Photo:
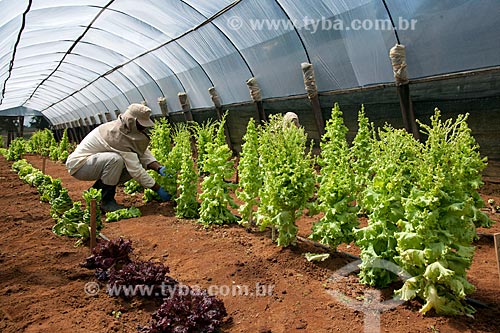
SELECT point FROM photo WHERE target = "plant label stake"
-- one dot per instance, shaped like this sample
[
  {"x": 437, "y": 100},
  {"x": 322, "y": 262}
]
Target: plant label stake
[
  {"x": 497, "y": 250},
  {"x": 93, "y": 225}
]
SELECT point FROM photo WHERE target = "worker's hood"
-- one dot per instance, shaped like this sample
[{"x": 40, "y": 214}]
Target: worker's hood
[{"x": 122, "y": 134}]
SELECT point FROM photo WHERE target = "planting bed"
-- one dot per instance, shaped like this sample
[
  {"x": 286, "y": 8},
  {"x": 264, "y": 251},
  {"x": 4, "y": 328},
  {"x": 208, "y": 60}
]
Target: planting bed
[{"x": 42, "y": 284}]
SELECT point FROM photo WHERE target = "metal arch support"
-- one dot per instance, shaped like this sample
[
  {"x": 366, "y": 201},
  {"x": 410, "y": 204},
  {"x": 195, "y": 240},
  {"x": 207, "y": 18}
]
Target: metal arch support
[
  {"x": 172, "y": 40},
  {"x": 70, "y": 49},
  {"x": 43, "y": 99},
  {"x": 226, "y": 36},
  {"x": 74, "y": 96},
  {"x": 113, "y": 70},
  {"x": 110, "y": 99},
  {"x": 11, "y": 64},
  {"x": 99, "y": 75},
  {"x": 392, "y": 21},
  {"x": 297, "y": 31},
  {"x": 102, "y": 75},
  {"x": 145, "y": 71}
]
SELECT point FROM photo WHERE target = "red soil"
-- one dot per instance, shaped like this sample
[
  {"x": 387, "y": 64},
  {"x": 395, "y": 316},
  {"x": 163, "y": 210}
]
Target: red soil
[{"x": 42, "y": 285}]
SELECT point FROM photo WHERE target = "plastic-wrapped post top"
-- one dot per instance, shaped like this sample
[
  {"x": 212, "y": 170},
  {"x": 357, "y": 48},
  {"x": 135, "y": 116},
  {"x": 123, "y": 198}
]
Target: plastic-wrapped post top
[
  {"x": 310, "y": 80},
  {"x": 399, "y": 66}
]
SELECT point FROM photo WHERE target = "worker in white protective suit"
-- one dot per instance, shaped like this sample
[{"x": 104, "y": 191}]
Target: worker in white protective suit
[
  {"x": 115, "y": 152},
  {"x": 290, "y": 118}
]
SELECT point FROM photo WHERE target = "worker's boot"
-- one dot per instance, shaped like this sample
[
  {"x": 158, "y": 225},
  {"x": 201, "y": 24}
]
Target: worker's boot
[{"x": 108, "y": 202}]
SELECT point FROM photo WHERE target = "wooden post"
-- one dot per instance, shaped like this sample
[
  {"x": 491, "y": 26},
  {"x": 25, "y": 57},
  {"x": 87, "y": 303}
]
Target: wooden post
[
  {"x": 83, "y": 128},
  {"x": 71, "y": 134},
  {"x": 88, "y": 125},
  {"x": 9, "y": 137},
  {"x": 497, "y": 250},
  {"x": 93, "y": 121},
  {"x": 93, "y": 224},
  {"x": 57, "y": 132},
  {"x": 108, "y": 117},
  {"x": 186, "y": 106},
  {"x": 77, "y": 129},
  {"x": 44, "y": 163},
  {"x": 220, "y": 114},
  {"x": 162, "y": 102},
  {"x": 400, "y": 68},
  {"x": 256, "y": 95},
  {"x": 21, "y": 126},
  {"x": 312, "y": 94}
]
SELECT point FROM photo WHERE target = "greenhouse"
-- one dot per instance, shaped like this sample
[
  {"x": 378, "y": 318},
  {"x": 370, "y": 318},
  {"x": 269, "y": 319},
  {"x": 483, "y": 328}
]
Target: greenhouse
[{"x": 249, "y": 166}]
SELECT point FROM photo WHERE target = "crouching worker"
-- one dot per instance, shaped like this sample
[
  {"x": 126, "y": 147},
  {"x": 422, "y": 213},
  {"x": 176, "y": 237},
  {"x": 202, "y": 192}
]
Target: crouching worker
[{"x": 116, "y": 152}]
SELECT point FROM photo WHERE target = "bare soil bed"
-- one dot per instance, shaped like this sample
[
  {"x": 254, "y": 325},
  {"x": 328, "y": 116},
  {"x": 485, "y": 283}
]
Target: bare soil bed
[{"x": 42, "y": 284}]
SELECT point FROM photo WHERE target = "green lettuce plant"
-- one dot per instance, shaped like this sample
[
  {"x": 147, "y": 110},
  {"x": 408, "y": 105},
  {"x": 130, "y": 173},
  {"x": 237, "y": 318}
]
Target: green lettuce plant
[
  {"x": 250, "y": 178},
  {"x": 187, "y": 181},
  {"x": 288, "y": 178},
  {"x": 337, "y": 181},
  {"x": 441, "y": 212},
  {"x": 215, "y": 197}
]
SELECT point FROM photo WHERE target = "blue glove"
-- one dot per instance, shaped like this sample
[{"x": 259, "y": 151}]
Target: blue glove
[
  {"x": 164, "y": 195},
  {"x": 161, "y": 171}
]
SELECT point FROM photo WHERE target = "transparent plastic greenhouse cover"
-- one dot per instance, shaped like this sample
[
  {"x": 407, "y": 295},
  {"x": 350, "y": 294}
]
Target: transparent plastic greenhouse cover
[{"x": 76, "y": 59}]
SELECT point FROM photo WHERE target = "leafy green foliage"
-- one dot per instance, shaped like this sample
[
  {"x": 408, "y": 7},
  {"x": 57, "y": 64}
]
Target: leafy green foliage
[
  {"x": 46, "y": 186},
  {"x": 162, "y": 138},
  {"x": 395, "y": 155},
  {"x": 205, "y": 135},
  {"x": 250, "y": 179},
  {"x": 16, "y": 149},
  {"x": 88, "y": 196},
  {"x": 22, "y": 167},
  {"x": 215, "y": 197},
  {"x": 161, "y": 148},
  {"x": 182, "y": 143},
  {"x": 440, "y": 216},
  {"x": 54, "y": 153},
  {"x": 64, "y": 147},
  {"x": 121, "y": 214},
  {"x": 187, "y": 181},
  {"x": 60, "y": 204},
  {"x": 361, "y": 157},
  {"x": 72, "y": 220},
  {"x": 75, "y": 222},
  {"x": 71, "y": 223},
  {"x": 288, "y": 178},
  {"x": 336, "y": 186},
  {"x": 165, "y": 182},
  {"x": 132, "y": 186},
  {"x": 41, "y": 142},
  {"x": 150, "y": 195},
  {"x": 161, "y": 141}
]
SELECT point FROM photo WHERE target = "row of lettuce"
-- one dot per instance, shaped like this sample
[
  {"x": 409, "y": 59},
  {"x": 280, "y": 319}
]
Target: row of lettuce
[
  {"x": 420, "y": 197},
  {"x": 72, "y": 218},
  {"x": 183, "y": 308},
  {"x": 42, "y": 143}
]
